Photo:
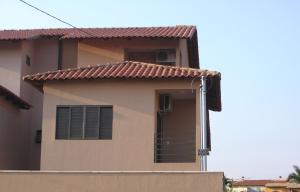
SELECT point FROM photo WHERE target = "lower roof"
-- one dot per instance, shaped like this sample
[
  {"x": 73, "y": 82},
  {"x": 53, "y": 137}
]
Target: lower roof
[
  {"x": 262, "y": 183},
  {"x": 13, "y": 98},
  {"x": 134, "y": 70}
]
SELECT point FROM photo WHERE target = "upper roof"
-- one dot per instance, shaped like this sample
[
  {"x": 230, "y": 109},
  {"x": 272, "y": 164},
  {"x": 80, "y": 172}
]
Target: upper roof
[
  {"x": 188, "y": 32},
  {"x": 13, "y": 98},
  {"x": 255, "y": 182},
  {"x": 134, "y": 70},
  {"x": 179, "y": 31}
]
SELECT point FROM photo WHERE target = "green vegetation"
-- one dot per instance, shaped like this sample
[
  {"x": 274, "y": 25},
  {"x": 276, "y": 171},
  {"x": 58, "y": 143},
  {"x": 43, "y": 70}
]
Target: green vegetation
[
  {"x": 228, "y": 184},
  {"x": 295, "y": 176}
]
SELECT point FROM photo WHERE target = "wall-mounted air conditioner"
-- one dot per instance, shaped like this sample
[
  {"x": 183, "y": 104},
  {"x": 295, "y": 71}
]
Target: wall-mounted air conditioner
[{"x": 165, "y": 103}]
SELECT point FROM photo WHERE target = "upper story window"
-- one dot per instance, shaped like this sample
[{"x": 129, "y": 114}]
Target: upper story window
[
  {"x": 159, "y": 56},
  {"x": 84, "y": 122},
  {"x": 28, "y": 61}
]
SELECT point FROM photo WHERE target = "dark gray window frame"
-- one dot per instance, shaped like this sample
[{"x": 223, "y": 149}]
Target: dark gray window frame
[
  {"x": 84, "y": 122},
  {"x": 128, "y": 51}
]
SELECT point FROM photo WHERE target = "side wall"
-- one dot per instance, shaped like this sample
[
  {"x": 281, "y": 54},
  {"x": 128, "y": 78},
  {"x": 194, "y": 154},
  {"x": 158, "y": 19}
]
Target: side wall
[
  {"x": 69, "y": 54},
  {"x": 93, "y": 52},
  {"x": 13, "y": 140},
  {"x": 111, "y": 181},
  {"x": 43, "y": 55},
  {"x": 10, "y": 65},
  {"x": 14, "y": 149},
  {"x": 134, "y": 124},
  {"x": 179, "y": 129},
  {"x": 183, "y": 52}
]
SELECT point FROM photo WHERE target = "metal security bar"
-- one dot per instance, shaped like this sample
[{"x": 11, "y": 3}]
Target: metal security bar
[{"x": 174, "y": 149}]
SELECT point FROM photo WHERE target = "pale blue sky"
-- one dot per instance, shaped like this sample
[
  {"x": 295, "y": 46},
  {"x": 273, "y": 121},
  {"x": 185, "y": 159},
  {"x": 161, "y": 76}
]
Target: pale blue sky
[{"x": 255, "y": 44}]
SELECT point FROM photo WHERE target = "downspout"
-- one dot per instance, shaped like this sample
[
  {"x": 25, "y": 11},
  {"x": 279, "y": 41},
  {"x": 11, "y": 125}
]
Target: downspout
[
  {"x": 203, "y": 152},
  {"x": 59, "y": 59}
]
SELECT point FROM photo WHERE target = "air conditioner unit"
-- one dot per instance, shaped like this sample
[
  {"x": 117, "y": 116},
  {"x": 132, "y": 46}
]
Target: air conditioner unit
[
  {"x": 166, "y": 56},
  {"x": 165, "y": 103}
]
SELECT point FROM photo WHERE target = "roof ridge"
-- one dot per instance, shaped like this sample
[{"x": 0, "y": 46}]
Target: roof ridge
[
  {"x": 168, "y": 66},
  {"x": 37, "y": 29},
  {"x": 124, "y": 63},
  {"x": 121, "y": 27},
  {"x": 72, "y": 69},
  {"x": 176, "y": 32},
  {"x": 120, "y": 63}
]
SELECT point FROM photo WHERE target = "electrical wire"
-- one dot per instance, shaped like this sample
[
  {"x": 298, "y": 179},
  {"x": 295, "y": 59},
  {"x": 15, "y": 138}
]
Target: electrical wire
[{"x": 54, "y": 17}]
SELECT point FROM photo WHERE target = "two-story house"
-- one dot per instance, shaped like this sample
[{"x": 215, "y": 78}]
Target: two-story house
[{"x": 105, "y": 99}]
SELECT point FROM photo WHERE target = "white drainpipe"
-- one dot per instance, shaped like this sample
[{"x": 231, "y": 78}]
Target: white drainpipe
[{"x": 203, "y": 152}]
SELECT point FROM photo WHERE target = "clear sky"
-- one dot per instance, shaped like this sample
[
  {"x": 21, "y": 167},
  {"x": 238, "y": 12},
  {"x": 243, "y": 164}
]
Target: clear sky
[{"x": 255, "y": 44}]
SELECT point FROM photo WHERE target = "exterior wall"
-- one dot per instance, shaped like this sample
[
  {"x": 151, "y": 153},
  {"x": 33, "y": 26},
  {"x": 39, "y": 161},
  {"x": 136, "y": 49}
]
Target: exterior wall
[
  {"x": 183, "y": 53},
  {"x": 14, "y": 134},
  {"x": 133, "y": 102},
  {"x": 10, "y": 65},
  {"x": 239, "y": 189},
  {"x": 46, "y": 59},
  {"x": 111, "y": 181},
  {"x": 69, "y": 54},
  {"x": 13, "y": 150},
  {"x": 43, "y": 55},
  {"x": 179, "y": 128},
  {"x": 249, "y": 188},
  {"x": 93, "y": 52},
  {"x": 277, "y": 189}
]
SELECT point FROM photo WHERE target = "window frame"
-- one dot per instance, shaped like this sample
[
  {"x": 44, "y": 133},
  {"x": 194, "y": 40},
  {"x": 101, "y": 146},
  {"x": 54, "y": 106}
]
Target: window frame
[
  {"x": 128, "y": 51},
  {"x": 83, "y": 122}
]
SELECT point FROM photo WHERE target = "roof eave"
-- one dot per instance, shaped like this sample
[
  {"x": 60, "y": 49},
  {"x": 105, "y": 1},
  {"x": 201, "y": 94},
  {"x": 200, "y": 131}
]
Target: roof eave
[{"x": 10, "y": 96}]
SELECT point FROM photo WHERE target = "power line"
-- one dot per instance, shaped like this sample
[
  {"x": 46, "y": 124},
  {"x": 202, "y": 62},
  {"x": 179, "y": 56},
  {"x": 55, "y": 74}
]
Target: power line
[{"x": 54, "y": 17}]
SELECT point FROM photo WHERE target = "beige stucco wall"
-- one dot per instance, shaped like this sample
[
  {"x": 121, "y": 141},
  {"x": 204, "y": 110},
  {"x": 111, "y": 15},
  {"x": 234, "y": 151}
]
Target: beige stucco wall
[
  {"x": 69, "y": 54},
  {"x": 179, "y": 128},
  {"x": 134, "y": 124},
  {"x": 111, "y": 181},
  {"x": 92, "y": 52},
  {"x": 43, "y": 54},
  {"x": 10, "y": 65},
  {"x": 248, "y": 188},
  {"x": 183, "y": 52},
  {"x": 44, "y": 57},
  {"x": 14, "y": 122},
  {"x": 279, "y": 189},
  {"x": 13, "y": 148}
]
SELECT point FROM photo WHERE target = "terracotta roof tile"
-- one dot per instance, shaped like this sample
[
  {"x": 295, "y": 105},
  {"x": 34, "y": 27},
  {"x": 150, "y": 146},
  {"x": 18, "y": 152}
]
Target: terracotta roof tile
[
  {"x": 126, "y": 69},
  {"x": 255, "y": 182},
  {"x": 134, "y": 70},
  {"x": 180, "y": 31}
]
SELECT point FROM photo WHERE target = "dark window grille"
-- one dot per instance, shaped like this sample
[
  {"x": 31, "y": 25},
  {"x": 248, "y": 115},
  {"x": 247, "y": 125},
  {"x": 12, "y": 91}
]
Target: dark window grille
[{"x": 84, "y": 122}]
